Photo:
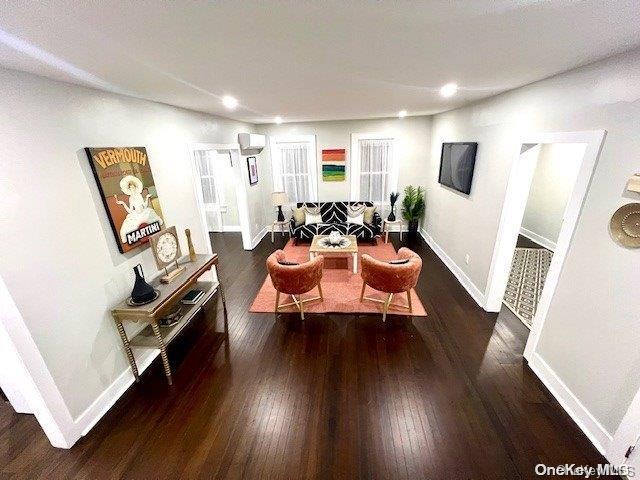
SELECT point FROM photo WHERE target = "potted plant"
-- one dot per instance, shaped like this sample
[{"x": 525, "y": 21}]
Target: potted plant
[
  {"x": 393, "y": 198},
  {"x": 413, "y": 207}
]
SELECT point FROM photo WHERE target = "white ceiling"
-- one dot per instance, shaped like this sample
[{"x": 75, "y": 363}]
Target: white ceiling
[{"x": 311, "y": 60}]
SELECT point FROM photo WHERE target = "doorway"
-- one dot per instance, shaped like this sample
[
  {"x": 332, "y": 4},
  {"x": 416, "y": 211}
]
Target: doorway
[
  {"x": 220, "y": 189},
  {"x": 555, "y": 170},
  {"x": 513, "y": 213}
]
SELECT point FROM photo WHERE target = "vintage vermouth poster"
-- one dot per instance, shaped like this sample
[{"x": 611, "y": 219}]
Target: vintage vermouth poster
[{"x": 128, "y": 192}]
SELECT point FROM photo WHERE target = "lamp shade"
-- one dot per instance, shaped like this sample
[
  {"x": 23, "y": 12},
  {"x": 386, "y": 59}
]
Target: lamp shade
[{"x": 279, "y": 198}]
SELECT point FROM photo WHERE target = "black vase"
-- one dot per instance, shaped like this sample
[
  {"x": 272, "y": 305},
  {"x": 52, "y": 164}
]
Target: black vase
[
  {"x": 142, "y": 292},
  {"x": 413, "y": 227},
  {"x": 392, "y": 214}
]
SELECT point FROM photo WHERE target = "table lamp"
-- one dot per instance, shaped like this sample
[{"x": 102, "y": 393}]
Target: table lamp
[{"x": 279, "y": 199}]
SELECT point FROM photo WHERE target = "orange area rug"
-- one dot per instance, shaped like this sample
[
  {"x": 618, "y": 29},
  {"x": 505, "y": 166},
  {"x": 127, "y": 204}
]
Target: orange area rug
[{"x": 341, "y": 287}]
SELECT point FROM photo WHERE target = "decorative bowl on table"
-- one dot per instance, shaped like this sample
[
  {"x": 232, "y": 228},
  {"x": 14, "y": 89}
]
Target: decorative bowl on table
[
  {"x": 335, "y": 238},
  {"x": 334, "y": 241}
]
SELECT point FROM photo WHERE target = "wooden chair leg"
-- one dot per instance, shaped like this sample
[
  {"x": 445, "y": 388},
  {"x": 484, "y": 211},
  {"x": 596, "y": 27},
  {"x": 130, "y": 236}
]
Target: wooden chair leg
[
  {"x": 301, "y": 308},
  {"x": 364, "y": 285},
  {"x": 386, "y": 307},
  {"x": 277, "y": 300},
  {"x": 409, "y": 300},
  {"x": 320, "y": 292}
]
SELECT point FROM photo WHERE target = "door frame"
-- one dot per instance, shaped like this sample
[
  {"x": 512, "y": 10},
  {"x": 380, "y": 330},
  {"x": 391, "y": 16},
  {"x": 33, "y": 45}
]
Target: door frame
[
  {"x": 36, "y": 383},
  {"x": 627, "y": 434},
  {"x": 511, "y": 220},
  {"x": 241, "y": 191}
]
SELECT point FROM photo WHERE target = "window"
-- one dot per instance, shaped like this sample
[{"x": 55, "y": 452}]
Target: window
[
  {"x": 293, "y": 160},
  {"x": 373, "y": 170}
]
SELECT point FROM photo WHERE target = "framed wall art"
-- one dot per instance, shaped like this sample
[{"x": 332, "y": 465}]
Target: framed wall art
[
  {"x": 333, "y": 165},
  {"x": 252, "y": 165},
  {"x": 128, "y": 192}
]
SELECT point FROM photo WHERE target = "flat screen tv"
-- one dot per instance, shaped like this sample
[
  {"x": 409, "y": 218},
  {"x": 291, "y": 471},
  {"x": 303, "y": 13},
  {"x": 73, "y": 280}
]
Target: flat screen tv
[{"x": 456, "y": 165}]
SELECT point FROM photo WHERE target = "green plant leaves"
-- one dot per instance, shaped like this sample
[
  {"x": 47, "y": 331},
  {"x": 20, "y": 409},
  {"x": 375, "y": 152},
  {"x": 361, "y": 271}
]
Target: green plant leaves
[{"x": 413, "y": 203}]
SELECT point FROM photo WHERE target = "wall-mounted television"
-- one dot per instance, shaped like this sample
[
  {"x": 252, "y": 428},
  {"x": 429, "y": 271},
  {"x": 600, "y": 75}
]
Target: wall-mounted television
[{"x": 457, "y": 161}]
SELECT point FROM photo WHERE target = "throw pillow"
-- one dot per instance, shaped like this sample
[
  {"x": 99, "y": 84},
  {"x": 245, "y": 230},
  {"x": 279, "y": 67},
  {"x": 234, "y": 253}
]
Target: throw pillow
[
  {"x": 368, "y": 214},
  {"x": 399, "y": 261},
  {"x": 356, "y": 209},
  {"x": 311, "y": 219},
  {"x": 358, "y": 219},
  {"x": 287, "y": 262},
  {"x": 298, "y": 216}
]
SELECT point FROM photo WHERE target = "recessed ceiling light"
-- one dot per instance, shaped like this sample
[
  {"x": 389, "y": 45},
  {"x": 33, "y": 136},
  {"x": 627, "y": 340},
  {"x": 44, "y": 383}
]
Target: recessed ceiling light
[
  {"x": 402, "y": 113},
  {"x": 278, "y": 119},
  {"x": 229, "y": 102},
  {"x": 449, "y": 89}
]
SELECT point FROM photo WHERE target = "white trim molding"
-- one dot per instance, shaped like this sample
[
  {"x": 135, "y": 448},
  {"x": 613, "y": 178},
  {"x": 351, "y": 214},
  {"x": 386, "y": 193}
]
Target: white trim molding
[
  {"x": 258, "y": 238},
  {"x": 88, "y": 419},
  {"x": 39, "y": 388},
  {"x": 596, "y": 433},
  {"x": 462, "y": 277},
  {"x": 539, "y": 239}
]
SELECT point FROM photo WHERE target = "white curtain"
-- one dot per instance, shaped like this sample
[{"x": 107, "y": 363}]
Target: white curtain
[
  {"x": 206, "y": 169},
  {"x": 376, "y": 158},
  {"x": 295, "y": 171}
]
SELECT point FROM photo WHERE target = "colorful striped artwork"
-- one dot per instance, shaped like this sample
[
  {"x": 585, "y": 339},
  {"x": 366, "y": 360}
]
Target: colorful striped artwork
[{"x": 333, "y": 165}]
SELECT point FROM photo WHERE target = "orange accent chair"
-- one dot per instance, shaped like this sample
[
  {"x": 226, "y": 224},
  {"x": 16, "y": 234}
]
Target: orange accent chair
[
  {"x": 391, "y": 278},
  {"x": 295, "y": 280}
]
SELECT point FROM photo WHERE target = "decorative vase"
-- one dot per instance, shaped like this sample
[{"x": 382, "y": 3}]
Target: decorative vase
[
  {"x": 334, "y": 238},
  {"x": 392, "y": 215},
  {"x": 413, "y": 227},
  {"x": 192, "y": 252},
  {"x": 142, "y": 292}
]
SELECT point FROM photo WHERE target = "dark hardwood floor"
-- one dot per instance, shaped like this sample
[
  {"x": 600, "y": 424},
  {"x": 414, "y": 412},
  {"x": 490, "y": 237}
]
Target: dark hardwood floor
[{"x": 447, "y": 396}]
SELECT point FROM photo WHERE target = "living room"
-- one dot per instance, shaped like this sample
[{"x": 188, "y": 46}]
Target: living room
[{"x": 451, "y": 385}]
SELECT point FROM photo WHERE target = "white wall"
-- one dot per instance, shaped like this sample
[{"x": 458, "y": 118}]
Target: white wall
[
  {"x": 592, "y": 325},
  {"x": 553, "y": 180},
  {"x": 261, "y": 213},
  {"x": 63, "y": 269},
  {"x": 413, "y": 146}
]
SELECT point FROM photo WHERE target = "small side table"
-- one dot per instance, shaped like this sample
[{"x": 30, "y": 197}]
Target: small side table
[
  {"x": 385, "y": 228},
  {"x": 281, "y": 225}
]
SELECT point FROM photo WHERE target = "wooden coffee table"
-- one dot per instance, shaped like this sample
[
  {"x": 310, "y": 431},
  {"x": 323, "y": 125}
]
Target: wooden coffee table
[{"x": 351, "y": 249}]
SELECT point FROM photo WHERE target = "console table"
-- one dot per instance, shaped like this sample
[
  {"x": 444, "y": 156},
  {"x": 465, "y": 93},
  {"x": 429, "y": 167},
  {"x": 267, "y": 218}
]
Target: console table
[{"x": 154, "y": 336}]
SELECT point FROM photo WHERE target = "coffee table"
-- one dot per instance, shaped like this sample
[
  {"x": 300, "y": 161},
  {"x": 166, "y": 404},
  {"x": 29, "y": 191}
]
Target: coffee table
[{"x": 352, "y": 249}]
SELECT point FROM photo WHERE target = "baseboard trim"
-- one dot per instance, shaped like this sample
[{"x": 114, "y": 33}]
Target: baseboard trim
[
  {"x": 92, "y": 415},
  {"x": 595, "y": 432},
  {"x": 462, "y": 277},
  {"x": 231, "y": 228},
  {"x": 539, "y": 239},
  {"x": 258, "y": 238}
]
